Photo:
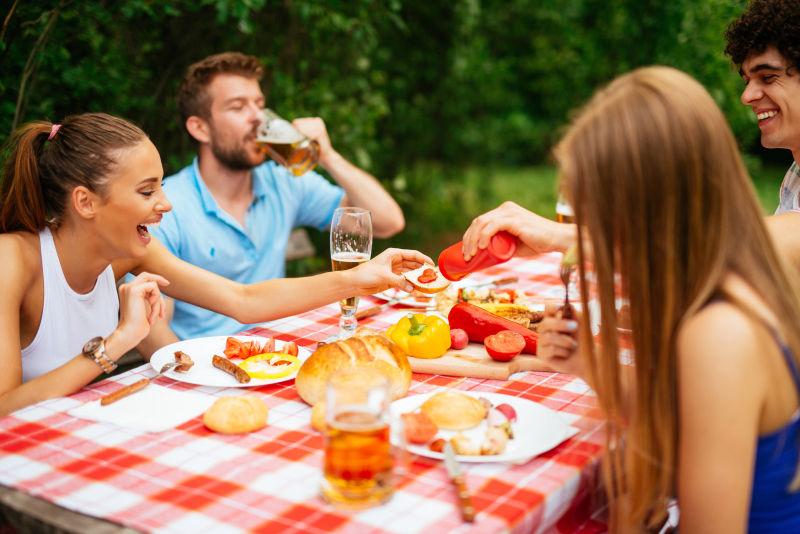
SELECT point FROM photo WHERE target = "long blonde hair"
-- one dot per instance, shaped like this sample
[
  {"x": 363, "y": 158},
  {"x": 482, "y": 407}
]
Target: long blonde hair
[{"x": 663, "y": 199}]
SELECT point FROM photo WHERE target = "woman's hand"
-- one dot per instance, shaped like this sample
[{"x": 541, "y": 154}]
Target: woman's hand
[
  {"x": 536, "y": 233},
  {"x": 558, "y": 345},
  {"x": 384, "y": 271},
  {"x": 140, "y": 306}
]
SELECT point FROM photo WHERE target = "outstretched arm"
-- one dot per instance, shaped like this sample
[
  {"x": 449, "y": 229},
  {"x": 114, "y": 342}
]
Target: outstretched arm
[
  {"x": 281, "y": 297},
  {"x": 361, "y": 188}
]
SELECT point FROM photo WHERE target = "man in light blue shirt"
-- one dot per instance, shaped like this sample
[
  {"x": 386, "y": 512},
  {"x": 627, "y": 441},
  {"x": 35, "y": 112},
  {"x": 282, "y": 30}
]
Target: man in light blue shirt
[{"x": 232, "y": 212}]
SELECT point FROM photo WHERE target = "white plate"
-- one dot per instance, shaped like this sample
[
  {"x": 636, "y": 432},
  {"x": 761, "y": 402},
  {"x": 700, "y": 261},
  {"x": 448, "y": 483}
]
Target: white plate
[
  {"x": 203, "y": 373},
  {"x": 536, "y": 430},
  {"x": 403, "y": 298}
]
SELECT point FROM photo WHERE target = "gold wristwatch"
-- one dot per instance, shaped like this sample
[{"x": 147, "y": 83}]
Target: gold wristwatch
[{"x": 95, "y": 350}]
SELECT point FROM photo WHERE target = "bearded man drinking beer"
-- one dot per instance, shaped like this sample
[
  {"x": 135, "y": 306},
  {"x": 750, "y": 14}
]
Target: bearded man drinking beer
[{"x": 232, "y": 209}]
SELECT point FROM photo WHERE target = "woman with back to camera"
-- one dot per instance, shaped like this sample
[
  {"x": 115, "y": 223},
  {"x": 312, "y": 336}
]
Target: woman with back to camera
[
  {"x": 708, "y": 413},
  {"x": 75, "y": 202}
]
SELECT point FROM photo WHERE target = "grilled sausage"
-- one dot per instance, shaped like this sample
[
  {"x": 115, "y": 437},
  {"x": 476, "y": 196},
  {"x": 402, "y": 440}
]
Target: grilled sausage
[
  {"x": 224, "y": 364},
  {"x": 184, "y": 361},
  {"x": 124, "y": 392}
]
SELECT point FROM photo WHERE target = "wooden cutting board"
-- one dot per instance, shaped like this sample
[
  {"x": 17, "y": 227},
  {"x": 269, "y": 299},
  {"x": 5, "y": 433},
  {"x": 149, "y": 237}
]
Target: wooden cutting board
[{"x": 473, "y": 361}]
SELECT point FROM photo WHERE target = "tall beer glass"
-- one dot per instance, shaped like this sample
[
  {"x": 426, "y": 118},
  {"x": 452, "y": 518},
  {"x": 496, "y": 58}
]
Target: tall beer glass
[
  {"x": 358, "y": 457},
  {"x": 351, "y": 245},
  {"x": 285, "y": 144}
]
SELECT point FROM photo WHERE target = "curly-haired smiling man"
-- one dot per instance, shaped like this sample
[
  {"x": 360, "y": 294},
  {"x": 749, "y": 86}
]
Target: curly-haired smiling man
[{"x": 765, "y": 43}]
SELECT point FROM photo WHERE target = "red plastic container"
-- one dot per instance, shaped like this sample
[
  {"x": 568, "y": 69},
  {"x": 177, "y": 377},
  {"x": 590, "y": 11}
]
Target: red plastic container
[{"x": 501, "y": 248}]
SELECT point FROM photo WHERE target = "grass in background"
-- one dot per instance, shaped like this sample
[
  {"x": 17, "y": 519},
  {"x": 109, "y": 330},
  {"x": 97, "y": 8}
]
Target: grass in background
[
  {"x": 767, "y": 181},
  {"x": 441, "y": 203}
]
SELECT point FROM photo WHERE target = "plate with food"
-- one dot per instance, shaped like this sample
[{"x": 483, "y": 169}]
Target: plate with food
[
  {"x": 415, "y": 299},
  {"x": 506, "y": 302},
  {"x": 481, "y": 426},
  {"x": 231, "y": 361}
]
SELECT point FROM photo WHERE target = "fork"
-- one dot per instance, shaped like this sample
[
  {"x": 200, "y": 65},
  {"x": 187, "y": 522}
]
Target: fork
[
  {"x": 166, "y": 367},
  {"x": 566, "y": 274}
]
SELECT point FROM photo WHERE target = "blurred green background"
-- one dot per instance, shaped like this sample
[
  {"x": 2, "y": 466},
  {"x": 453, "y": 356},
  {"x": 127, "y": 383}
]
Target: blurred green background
[{"x": 454, "y": 105}]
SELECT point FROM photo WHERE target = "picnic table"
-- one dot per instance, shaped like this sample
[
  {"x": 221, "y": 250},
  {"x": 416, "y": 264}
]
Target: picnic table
[{"x": 77, "y": 475}]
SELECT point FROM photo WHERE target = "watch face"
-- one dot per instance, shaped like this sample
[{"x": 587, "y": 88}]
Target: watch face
[{"x": 92, "y": 345}]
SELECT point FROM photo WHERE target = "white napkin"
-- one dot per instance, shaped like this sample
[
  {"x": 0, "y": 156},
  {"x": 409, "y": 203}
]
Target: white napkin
[{"x": 153, "y": 409}]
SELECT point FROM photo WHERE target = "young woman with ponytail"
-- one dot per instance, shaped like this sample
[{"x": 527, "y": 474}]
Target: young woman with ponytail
[{"x": 76, "y": 199}]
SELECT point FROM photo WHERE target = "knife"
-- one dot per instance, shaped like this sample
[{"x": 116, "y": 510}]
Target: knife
[
  {"x": 454, "y": 470},
  {"x": 375, "y": 310}
]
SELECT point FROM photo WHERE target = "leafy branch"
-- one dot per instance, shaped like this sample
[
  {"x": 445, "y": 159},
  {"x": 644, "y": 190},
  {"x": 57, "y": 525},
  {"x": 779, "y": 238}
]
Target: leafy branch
[{"x": 31, "y": 63}]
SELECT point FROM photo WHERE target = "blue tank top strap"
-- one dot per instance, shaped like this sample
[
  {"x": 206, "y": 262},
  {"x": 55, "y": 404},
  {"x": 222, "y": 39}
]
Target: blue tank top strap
[{"x": 788, "y": 355}]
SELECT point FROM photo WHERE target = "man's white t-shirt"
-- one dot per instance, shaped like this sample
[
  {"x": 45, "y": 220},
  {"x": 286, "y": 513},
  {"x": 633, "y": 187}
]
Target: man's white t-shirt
[{"x": 790, "y": 191}]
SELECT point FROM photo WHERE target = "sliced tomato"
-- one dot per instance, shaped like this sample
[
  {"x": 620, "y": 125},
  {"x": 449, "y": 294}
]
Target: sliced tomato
[
  {"x": 437, "y": 445},
  {"x": 289, "y": 347},
  {"x": 504, "y": 345},
  {"x": 233, "y": 348},
  {"x": 428, "y": 275},
  {"x": 236, "y": 348},
  {"x": 418, "y": 427}
]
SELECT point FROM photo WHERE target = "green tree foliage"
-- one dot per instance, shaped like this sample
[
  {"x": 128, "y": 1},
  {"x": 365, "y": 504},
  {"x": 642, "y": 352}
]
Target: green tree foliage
[
  {"x": 463, "y": 81},
  {"x": 400, "y": 83}
]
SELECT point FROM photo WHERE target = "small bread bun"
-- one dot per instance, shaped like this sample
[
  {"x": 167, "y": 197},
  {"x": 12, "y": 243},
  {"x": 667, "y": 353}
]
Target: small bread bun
[
  {"x": 452, "y": 410},
  {"x": 236, "y": 415},
  {"x": 434, "y": 286}
]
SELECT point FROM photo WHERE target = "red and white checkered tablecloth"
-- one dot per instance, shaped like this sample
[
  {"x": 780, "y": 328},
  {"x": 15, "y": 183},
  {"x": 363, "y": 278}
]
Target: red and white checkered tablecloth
[{"x": 192, "y": 480}]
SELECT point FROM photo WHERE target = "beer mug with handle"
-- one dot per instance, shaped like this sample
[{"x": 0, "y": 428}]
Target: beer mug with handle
[{"x": 285, "y": 144}]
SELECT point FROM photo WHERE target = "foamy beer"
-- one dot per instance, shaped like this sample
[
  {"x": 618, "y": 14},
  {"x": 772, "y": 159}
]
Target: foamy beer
[
  {"x": 286, "y": 145},
  {"x": 358, "y": 456},
  {"x": 564, "y": 213}
]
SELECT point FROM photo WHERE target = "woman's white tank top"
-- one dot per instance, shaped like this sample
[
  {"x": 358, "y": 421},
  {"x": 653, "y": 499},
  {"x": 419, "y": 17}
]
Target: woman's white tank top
[{"x": 69, "y": 319}]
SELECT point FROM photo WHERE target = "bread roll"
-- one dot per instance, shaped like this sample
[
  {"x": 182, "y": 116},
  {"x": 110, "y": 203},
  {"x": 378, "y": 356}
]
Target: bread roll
[
  {"x": 236, "y": 415},
  {"x": 452, "y": 410},
  {"x": 366, "y": 349}
]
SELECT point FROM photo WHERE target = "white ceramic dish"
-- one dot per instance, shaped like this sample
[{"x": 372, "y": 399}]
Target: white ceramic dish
[
  {"x": 203, "y": 373},
  {"x": 536, "y": 430},
  {"x": 405, "y": 299}
]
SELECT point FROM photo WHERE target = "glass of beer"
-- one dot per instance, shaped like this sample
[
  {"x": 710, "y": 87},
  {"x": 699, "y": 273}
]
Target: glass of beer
[
  {"x": 564, "y": 213},
  {"x": 351, "y": 245},
  {"x": 285, "y": 144},
  {"x": 358, "y": 456}
]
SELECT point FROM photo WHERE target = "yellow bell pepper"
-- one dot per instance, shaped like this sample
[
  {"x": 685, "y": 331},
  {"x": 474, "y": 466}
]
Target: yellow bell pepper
[
  {"x": 270, "y": 365},
  {"x": 422, "y": 336}
]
